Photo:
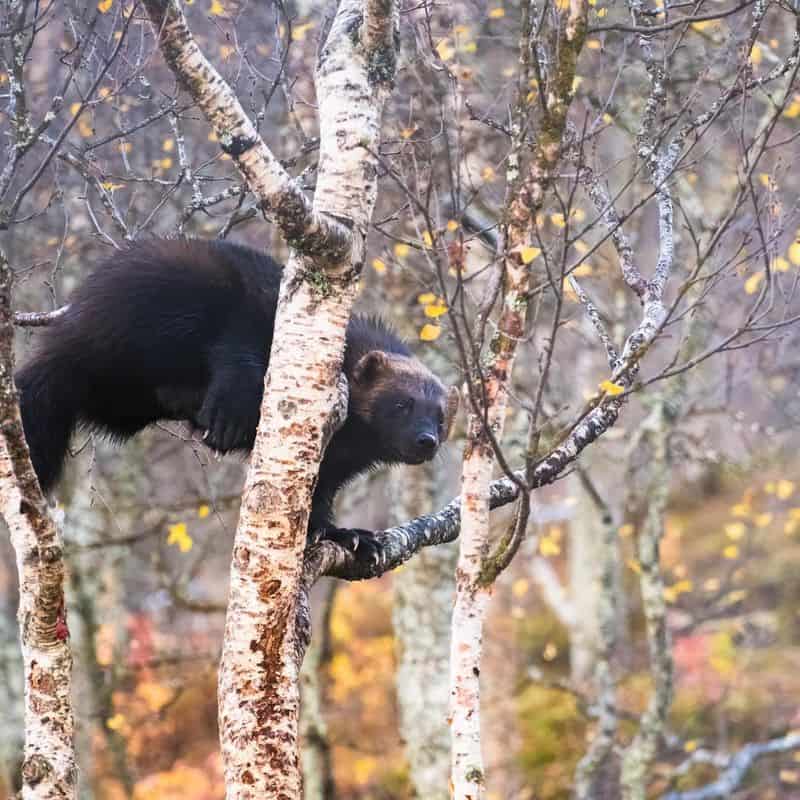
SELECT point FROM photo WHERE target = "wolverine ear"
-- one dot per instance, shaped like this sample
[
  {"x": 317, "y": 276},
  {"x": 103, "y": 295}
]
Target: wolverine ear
[
  {"x": 450, "y": 411},
  {"x": 370, "y": 365}
]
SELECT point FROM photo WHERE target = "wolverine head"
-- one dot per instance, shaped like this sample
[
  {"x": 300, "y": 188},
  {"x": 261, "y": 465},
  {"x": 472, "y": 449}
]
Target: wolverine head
[{"x": 404, "y": 403}]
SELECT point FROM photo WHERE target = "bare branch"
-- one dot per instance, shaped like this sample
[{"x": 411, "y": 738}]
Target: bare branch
[
  {"x": 304, "y": 228},
  {"x": 731, "y": 778}
]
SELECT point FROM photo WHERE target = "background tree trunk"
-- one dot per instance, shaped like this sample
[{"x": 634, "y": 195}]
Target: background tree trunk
[{"x": 423, "y": 601}]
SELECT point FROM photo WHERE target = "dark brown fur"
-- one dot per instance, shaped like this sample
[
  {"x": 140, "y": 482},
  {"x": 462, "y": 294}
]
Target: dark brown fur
[{"x": 182, "y": 330}]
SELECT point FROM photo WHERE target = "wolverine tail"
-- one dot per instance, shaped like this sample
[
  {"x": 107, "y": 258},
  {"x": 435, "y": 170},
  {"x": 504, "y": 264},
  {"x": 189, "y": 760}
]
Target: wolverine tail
[{"x": 50, "y": 397}]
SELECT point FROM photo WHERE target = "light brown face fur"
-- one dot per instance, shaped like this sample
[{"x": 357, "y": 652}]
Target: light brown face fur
[{"x": 404, "y": 401}]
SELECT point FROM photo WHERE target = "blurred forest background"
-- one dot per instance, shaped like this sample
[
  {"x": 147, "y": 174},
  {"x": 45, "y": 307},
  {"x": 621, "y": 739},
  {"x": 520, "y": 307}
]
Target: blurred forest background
[{"x": 122, "y": 155}]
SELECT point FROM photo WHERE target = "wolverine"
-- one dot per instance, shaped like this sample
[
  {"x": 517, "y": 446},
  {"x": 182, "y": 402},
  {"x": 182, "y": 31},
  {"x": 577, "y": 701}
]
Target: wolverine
[{"x": 181, "y": 330}]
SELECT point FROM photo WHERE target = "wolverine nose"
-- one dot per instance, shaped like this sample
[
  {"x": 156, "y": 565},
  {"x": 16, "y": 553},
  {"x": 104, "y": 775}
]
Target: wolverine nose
[{"x": 427, "y": 442}]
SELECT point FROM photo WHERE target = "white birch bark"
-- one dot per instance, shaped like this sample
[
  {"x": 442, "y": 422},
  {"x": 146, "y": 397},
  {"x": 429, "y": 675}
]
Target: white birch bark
[
  {"x": 48, "y": 768},
  {"x": 258, "y": 681},
  {"x": 473, "y": 583}
]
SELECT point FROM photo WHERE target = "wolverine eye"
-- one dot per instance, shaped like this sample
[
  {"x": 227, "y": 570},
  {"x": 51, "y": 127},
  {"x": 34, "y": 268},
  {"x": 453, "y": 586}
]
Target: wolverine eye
[{"x": 405, "y": 405}]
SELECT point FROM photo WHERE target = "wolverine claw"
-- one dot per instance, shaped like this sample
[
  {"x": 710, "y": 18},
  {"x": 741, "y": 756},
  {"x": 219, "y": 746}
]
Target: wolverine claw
[{"x": 360, "y": 543}]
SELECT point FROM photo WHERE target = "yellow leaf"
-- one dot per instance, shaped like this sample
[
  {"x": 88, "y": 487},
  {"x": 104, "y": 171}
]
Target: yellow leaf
[
  {"x": 427, "y": 238},
  {"x": 497, "y": 13},
  {"x": 452, "y": 225},
  {"x": 217, "y": 9},
  {"x": 731, "y": 598},
  {"x": 407, "y": 133},
  {"x": 763, "y": 520},
  {"x": 735, "y": 530},
  {"x": 226, "y": 51},
  {"x": 124, "y": 147},
  {"x": 780, "y": 264},
  {"x": 168, "y": 145},
  {"x": 752, "y": 283},
  {"x": 429, "y": 333},
  {"x": 104, "y": 6},
  {"x": 203, "y": 511},
  {"x": 74, "y": 108},
  {"x": 794, "y": 253},
  {"x": 558, "y": 220},
  {"x": 608, "y": 119},
  {"x": 550, "y": 651},
  {"x": 527, "y": 254},
  {"x": 723, "y": 654},
  {"x": 765, "y": 179},
  {"x": 549, "y": 547},
  {"x": 690, "y": 746},
  {"x": 634, "y": 566},
  {"x": 154, "y": 695},
  {"x": 401, "y": 250},
  {"x": 790, "y": 526},
  {"x": 488, "y": 173},
  {"x": 425, "y": 298},
  {"x": 378, "y": 266},
  {"x": 756, "y": 54},
  {"x": 792, "y": 111},
  {"x": 789, "y": 776},
  {"x": 116, "y": 722},
  {"x": 601, "y": 12},
  {"x": 299, "y": 31},
  {"x": 435, "y": 310},
  {"x": 581, "y": 247},
  {"x": 731, "y": 551},
  {"x": 794, "y": 513},
  {"x": 785, "y": 489},
  {"x": 712, "y": 585},
  {"x": 613, "y": 389},
  {"x": 110, "y": 187},
  {"x": 212, "y": 136},
  {"x": 178, "y": 535},
  {"x": 626, "y": 530},
  {"x": 703, "y": 24},
  {"x": 593, "y": 44},
  {"x": 444, "y": 50},
  {"x": 562, "y": 5},
  {"x": 583, "y": 270},
  {"x": 470, "y": 47},
  {"x": 672, "y": 593},
  {"x": 519, "y": 588}
]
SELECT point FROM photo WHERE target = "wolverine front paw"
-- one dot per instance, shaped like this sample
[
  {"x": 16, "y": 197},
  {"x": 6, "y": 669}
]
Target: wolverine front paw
[{"x": 361, "y": 543}]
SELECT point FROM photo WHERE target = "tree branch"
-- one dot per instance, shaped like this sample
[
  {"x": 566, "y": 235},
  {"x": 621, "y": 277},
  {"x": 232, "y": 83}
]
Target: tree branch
[
  {"x": 304, "y": 228},
  {"x": 731, "y": 778}
]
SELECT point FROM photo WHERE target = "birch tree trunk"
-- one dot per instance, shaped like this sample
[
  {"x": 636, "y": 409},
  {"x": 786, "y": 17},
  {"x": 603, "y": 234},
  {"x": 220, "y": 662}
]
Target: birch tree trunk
[
  {"x": 423, "y": 601},
  {"x": 259, "y": 671},
  {"x": 48, "y": 767},
  {"x": 473, "y": 581}
]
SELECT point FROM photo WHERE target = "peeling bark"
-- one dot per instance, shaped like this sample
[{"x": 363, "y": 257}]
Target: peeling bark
[
  {"x": 48, "y": 768},
  {"x": 262, "y": 651},
  {"x": 474, "y": 574}
]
